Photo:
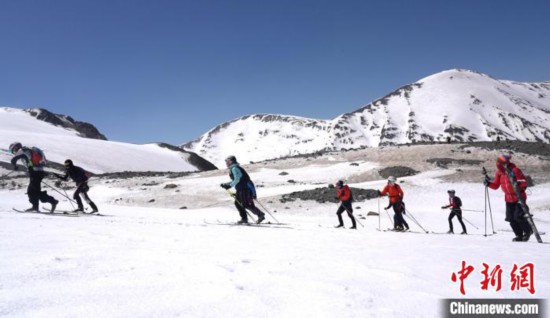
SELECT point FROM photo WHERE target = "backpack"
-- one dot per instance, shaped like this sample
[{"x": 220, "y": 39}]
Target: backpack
[
  {"x": 38, "y": 158},
  {"x": 458, "y": 201}
]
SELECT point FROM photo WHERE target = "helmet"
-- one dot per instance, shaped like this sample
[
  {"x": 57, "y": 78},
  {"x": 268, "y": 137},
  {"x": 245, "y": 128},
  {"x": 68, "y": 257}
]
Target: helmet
[
  {"x": 340, "y": 183},
  {"x": 392, "y": 179},
  {"x": 231, "y": 159},
  {"x": 451, "y": 192},
  {"x": 504, "y": 158},
  {"x": 14, "y": 147},
  {"x": 68, "y": 163}
]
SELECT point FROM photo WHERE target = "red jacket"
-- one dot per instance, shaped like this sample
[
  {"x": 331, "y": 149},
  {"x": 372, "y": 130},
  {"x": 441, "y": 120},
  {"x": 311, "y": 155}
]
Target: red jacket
[
  {"x": 344, "y": 193},
  {"x": 394, "y": 192},
  {"x": 501, "y": 180}
]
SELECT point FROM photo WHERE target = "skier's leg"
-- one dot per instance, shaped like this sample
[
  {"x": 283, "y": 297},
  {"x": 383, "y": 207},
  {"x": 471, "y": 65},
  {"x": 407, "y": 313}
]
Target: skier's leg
[
  {"x": 451, "y": 216},
  {"x": 76, "y": 196},
  {"x": 511, "y": 211},
  {"x": 33, "y": 190},
  {"x": 459, "y": 217},
  {"x": 339, "y": 214},
  {"x": 349, "y": 210},
  {"x": 242, "y": 212}
]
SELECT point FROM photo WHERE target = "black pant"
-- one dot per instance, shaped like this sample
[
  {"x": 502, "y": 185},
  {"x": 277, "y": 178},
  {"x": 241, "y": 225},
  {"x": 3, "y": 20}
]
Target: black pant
[
  {"x": 82, "y": 190},
  {"x": 34, "y": 190},
  {"x": 517, "y": 219},
  {"x": 398, "y": 219},
  {"x": 458, "y": 214},
  {"x": 345, "y": 206},
  {"x": 243, "y": 201}
]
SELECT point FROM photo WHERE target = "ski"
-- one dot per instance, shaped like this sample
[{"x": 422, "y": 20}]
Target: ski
[
  {"x": 44, "y": 213},
  {"x": 270, "y": 225},
  {"x": 403, "y": 231},
  {"x": 524, "y": 206},
  {"x": 80, "y": 213}
]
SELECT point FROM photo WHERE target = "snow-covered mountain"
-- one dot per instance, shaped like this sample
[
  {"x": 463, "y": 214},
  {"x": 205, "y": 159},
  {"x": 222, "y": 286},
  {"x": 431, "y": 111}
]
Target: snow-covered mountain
[
  {"x": 61, "y": 137},
  {"x": 461, "y": 104}
]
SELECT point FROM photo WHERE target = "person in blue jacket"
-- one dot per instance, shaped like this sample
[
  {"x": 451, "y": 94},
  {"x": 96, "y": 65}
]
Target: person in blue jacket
[{"x": 246, "y": 192}]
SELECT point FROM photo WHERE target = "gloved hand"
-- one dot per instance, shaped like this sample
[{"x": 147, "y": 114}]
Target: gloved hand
[
  {"x": 386, "y": 208},
  {"x": 225, "y": 186},
  {"x": 379, "y": 193},
  {"x": 444, "y": 207},
  {"x": 485, "y": 182}
]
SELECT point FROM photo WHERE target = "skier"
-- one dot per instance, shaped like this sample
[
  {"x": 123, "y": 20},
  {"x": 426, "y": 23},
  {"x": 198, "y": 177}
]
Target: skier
[
  {"x": 345, "y": 196},
  {"x": 514, "y": 212},
  {"x": 395, "y": 194},
  {"x": 80, "y": 177},
  {"x": 34, "y": 161},
  {"x": 246, "y": 193},
  {"x": 454, "y": 203}
]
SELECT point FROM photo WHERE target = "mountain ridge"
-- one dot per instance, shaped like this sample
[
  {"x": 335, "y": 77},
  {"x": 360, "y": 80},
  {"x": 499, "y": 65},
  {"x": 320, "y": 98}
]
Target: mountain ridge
[{"x": 459, "y": 104}]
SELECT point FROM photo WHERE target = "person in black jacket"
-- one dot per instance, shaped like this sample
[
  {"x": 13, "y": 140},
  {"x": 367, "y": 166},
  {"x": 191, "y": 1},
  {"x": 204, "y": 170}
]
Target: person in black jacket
[
  {"x": 244, "y": 198},
  {"x": 454, "y": 203},
  {"x": 36, "y": 174},
  {"x": 80, "y": 177}
]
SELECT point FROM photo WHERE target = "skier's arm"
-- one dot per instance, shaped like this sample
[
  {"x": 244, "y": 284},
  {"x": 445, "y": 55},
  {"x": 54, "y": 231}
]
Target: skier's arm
[
  {"x": 495, "y": 184},
  {"x": 18, "y": 157}
]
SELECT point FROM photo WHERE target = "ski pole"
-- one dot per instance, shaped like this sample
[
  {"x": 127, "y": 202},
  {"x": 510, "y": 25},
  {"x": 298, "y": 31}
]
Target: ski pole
[
  {"x": 487, "y": 201},
  {"x": 467, "y": 210},
  {"x": 266, "y": 210},
  {"x": 379, "y": 214},
  {"x": 7, "y": 174},
  {"x": 389, "y": 217},
  {"x": 410, "y": 215},
  {"x": 490, "y": 210},
  {"x": 351, "y": 213},
  {"x": 234, "y": 196},
  {"x": 49, "y": 186},
  {"x": 472, "y": 224},
  {"x": 68, "y": 196}
]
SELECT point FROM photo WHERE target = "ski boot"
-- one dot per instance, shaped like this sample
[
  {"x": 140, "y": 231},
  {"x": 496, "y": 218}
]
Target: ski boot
[
  {"x": 450, "y": 232},
  {"x": 527, "y": 235},
  {"x": 517, "y": 239},
  {"x": 260, "y": 218},
  {"x": 31, "y": 209},
  {"x": 242, "y": 221},
  {"x": 339, "y": 226},
  {"x": 54, "y": 205},
  {"x": 464, "y": 233}
]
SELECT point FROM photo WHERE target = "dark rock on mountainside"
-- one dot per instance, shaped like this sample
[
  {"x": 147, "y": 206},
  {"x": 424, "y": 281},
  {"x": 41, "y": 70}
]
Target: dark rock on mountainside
[
  {"x": 397, "y": 171},
  {"x": 530, "y": 148},
  {"x": 327, "y": 194},
  {"x": 194, "y": 159},
  {"x": 445, "y": 162},
  {"x": 85, "y": 129}
]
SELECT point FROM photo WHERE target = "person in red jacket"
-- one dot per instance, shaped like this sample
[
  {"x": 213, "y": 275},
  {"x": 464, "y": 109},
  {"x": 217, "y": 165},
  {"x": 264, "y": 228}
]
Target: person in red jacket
[
  {"x": 395, "y": 194},
  {"x": 514, "y": 212},
  {"x": 345, "y": 196}
]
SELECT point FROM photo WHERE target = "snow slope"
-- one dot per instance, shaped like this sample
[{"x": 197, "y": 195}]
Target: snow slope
[
  {"x": 95, "y": 155},
  {"x": 461, "y": 104},
  {"x": 140, "y": 261}
]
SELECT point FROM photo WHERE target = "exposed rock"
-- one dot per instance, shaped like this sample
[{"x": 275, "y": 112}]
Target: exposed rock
[
  {"x": 325, "y": 194},
  {"x": 445, "y": 162},
  {"x": 85, "y": 129},
  {"x": 397, "y": 171}
]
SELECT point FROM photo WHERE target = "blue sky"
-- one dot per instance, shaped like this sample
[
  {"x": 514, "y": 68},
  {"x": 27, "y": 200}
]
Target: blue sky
[{"x": 148, "y": 71}]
